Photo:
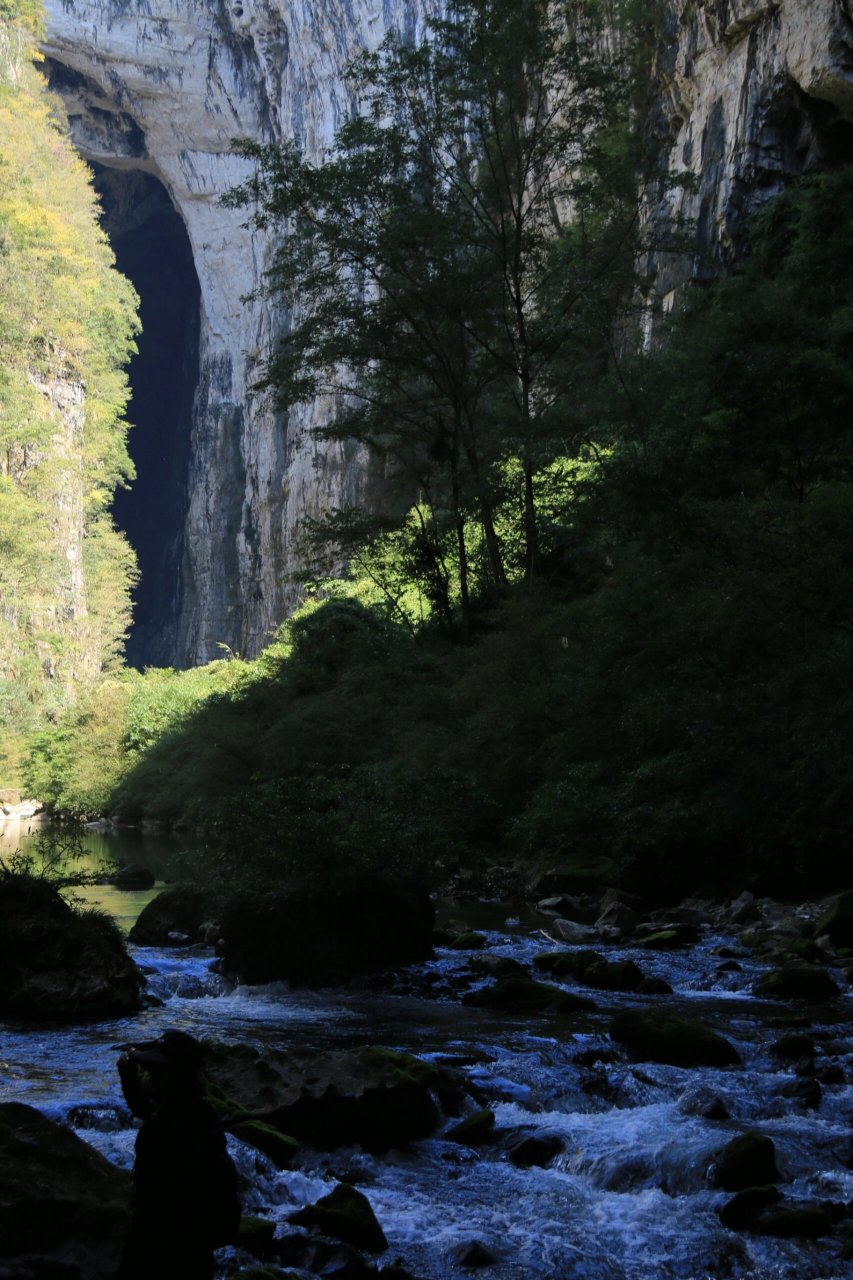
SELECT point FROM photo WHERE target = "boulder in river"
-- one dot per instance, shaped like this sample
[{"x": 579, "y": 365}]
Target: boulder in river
[
  {"x": 747, "y": 1161},
  {"x": 133, "y": 877},
  {"x": 59, "y": 963},
  {"x": 836, "y": 923},
  {"x": 474, "y": 1130},
  {"x": 522, "y": 995},
  {"x": 370, "y": 1095},
  {"x": 535, "y": 1150},
  {"x": 651, "y": 1035},
  {"x": 179, "y": 910},
  {"x": 573, "y": 933},
  {"x": 796, "y": 980},
  {"x": 326, "y": 936},
  {"x": 61, "y": 1202},
  {"x": 744, "y": 1210},
  {"x": 344, "y": 1214}
]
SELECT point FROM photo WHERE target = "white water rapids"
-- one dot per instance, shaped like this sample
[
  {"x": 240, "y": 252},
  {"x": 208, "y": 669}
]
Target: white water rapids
[{"x": 628, "y": 1199}]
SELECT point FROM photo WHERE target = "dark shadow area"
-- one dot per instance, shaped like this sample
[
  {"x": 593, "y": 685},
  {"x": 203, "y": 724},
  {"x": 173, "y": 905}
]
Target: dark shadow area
[{"x": 152, "y": 248}]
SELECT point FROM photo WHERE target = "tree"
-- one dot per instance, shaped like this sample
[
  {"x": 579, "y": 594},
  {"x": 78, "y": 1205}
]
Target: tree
[
  {"x": 67, "y": 326},
  {"x": 472, "y": 223}
]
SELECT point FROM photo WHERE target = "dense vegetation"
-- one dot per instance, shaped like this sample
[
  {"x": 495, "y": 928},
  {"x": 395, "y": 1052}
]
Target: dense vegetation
[
  {"x": 604, "y": 615},
  {"x": 674, "y": 696},
  {"x": 66, "y": 331}
]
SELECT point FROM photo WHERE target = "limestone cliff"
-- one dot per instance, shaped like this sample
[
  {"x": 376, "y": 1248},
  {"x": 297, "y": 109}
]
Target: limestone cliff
[{"x": 751, "y": 94}]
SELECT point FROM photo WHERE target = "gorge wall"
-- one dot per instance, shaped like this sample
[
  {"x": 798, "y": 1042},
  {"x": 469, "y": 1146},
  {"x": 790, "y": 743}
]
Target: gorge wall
[{"x": 751, "y": 94}]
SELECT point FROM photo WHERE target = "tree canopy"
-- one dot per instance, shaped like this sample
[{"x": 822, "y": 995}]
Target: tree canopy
[{"x": 67, "y": 328}]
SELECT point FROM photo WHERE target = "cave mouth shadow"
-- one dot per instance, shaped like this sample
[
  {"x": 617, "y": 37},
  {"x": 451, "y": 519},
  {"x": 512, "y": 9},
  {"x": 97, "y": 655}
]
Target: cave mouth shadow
[{"x": 152, "y": 249}]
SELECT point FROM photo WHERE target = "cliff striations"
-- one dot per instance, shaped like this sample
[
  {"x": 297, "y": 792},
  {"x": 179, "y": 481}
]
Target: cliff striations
[{"x": 751, "y": 94}]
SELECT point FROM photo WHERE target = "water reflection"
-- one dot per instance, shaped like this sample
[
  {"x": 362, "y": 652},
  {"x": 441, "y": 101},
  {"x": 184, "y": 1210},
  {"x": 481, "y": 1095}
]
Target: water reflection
[{"x": 169, "y": 857}]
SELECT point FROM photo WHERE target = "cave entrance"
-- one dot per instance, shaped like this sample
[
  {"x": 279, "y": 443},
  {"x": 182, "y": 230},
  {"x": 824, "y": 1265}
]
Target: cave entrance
[{"x": 153, "y": 250}]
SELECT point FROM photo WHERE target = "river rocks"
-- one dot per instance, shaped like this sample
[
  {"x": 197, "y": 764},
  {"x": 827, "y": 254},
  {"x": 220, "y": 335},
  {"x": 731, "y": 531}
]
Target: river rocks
[
  {"x": 523, "y": 995},
  {"x": 324, "y": 937},
  {"x": 474, "y": 1130},
  {"x": 617, "y": 921},
  {"x": 743, "y": 1211},
  {"x": 15, "y": 807},
  {"x": 60, "y": 1201},
  {"x": 667, "y": 938},
  {"x": 788, "y": 1221},
  {"x": 345, "y": 1214},
  {"x": 474, "y": 1255},
  {"x": 573, "y": 933},
  {"x": 536, "y": 1150},
  {"x": 271, "y": 1142},
  {"x": 256, "y": 1236},
  {"x": 796, "y": 980},
  {"x": 747, "y": 1161},
  {"x": 468, "y": 941},
  {"x": 652, "y": 1036},
  {"x": 133, "y": 877},
  {"x": 60, "y": 963},
  {"x": 371, "y": 1096},
  {"x": 563, "y": 963},
  {"x": 497, "y": 966},
  {"x": 743, "y": 909},
  {"x": 176, "y": 914},
  {"x": 614, "y": 975},
  {"x": 836, "y": 923}
]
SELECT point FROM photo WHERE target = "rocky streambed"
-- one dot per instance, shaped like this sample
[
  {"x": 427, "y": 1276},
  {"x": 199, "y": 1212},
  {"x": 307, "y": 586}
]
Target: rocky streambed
[{"x": 576, "y": 1091}]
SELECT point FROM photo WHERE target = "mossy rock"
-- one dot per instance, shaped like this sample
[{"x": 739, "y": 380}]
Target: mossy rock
[
  {"x": 344, "y": 1214},
  {"x": 177, "y": 910},
  {"x": 58, "y": 1196},
  {"x": 497, "y": 966},
  {"x": 372, "y": 1096},
  {"x": 523, "y": 995},
  {"x": 255, "y": 1236},
  {"x": 747, "y": 1161},
  {"x": 469, "y": 941},
  {"x": 279, "y": 1147},
  {"x": 744, "y": 1210},
  {"x": 796, "y": 980},
  {"x": 474, "y": 1130},
  {"x": 652, "y": 1036},
  {"x": 837, "y": 921},
  {"x": 59, "y": 963}
]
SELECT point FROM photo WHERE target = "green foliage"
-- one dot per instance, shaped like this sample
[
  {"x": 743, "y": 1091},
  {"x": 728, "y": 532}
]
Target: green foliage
[
  {"x": 66, "y": 332},
  {"x": 676, "y": 697},
  {"x": 55, "y": 858},
  {"x": 452, "y": 271}
]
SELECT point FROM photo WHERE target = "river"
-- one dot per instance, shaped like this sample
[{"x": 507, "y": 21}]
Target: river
[{"x": 628, "y": 1199}]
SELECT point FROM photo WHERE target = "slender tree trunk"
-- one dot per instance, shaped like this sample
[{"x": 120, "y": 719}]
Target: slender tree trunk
[
  {"x": 531, "y": 533},
  {"x": 487, "y": 520},
  {"x": 462, "y": 549}
]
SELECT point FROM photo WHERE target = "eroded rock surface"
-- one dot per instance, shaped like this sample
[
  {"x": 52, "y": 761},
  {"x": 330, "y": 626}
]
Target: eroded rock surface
[{"x": 751, "y": 94}]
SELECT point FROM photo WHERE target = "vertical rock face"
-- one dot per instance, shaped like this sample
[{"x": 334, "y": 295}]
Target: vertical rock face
[
  {"x": 751, "y": 94},
  {"x": 165, "y": 87}
]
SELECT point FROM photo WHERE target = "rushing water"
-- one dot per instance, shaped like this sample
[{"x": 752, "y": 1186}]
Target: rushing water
[{"x": 628, "y": 1199}]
